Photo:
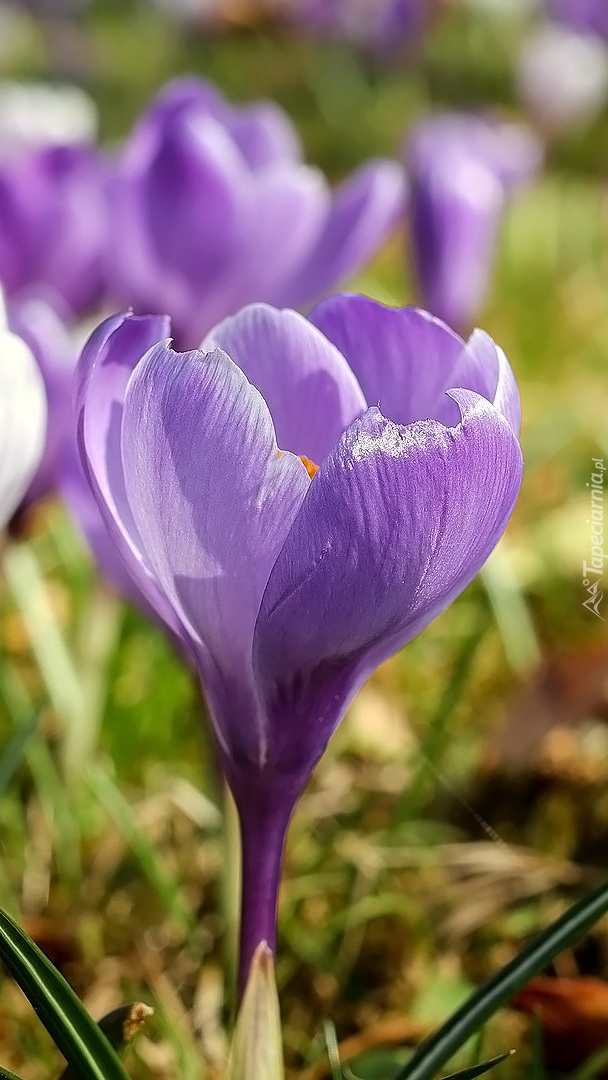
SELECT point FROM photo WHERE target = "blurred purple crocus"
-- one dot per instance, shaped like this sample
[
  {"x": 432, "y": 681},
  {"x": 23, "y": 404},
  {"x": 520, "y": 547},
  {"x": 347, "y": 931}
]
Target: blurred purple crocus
[
  {"x": 383, "y": 25},
  {"x": 213, "y": 208},
  {"x": 53, "y": 210},
  {"x": 289, "y": 584},
  {"x": 462, "y": 168},
  {"x": 587, "y": 16}
]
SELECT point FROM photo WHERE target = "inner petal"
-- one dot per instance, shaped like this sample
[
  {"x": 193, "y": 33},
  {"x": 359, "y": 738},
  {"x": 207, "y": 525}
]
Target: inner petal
[{"x": 306, "y": 382}]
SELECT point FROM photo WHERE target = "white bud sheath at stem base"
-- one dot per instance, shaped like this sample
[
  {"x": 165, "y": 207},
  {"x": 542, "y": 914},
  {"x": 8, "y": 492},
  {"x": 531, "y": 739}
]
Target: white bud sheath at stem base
[{"x": 256, "y": 1050}]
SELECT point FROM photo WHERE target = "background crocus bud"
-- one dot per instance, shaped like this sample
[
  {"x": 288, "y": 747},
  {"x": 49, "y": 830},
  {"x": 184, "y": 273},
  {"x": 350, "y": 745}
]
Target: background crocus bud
[
  {"x": 562, "y": 76},
  {"x": 213, "y": 207},
  {"x": 256, "y": 1050},
  {"x": 462, "y": 168},
  {"x": 22, "y": 418},
  {"x": 53, "y": 220}
]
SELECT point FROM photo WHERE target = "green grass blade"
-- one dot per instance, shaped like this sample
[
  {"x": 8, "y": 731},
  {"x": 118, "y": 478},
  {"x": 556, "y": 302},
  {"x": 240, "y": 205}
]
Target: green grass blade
[
  {"x": 439, "y": 1047},
  {"x": 56, "y": 665},
  {"x": 74, "y": 1032},
  {"x": 15, "y": 752},
  {"x": 478, "y": 1070},
  {"x": 161, "y": 880},
  {"x": 6, "y": 1075}
]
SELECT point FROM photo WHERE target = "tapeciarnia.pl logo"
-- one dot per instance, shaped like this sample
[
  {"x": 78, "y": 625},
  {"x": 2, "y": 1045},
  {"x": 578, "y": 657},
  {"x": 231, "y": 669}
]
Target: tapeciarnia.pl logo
[{"x": 594, "y": 569}]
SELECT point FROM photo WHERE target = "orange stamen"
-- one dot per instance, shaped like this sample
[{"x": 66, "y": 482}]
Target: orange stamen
[{"x": 311, "y": 468}]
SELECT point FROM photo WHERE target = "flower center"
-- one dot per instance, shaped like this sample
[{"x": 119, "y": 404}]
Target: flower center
[{"x": 310, "y": 466}]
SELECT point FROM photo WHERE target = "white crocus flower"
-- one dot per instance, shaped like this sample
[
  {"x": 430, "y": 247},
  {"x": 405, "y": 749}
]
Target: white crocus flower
[{"x": 23, "y": 412}]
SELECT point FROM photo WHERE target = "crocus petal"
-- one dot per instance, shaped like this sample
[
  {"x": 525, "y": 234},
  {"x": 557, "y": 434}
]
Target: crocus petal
[
  {"x": 285, "y": 209},
  {"x": 102, "y": 374},
  {"x": 214, "y": 498},
  {"x": 307, "y": 384},
  {"x": 264, "y": 135},
  {"x": 455, "y": 216},
  {"x": 396, "y": 523},
  {"x": 23, "y": 413},
  {"x": 366, "y": 207},
  {"x": 462, "y": 168},
  {"x": 77, "y": 495},
  {"x": 404, "y": 358},
  {"x": 484, "y": 368},
  {"x": 191, "y": 194}
]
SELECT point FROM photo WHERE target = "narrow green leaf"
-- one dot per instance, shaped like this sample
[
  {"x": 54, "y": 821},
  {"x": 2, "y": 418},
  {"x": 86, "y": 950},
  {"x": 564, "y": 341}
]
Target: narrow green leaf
[
  {"x": 478, "y": 1070},
  {"x": 120, "y": 1027},
  {"x": 501, "y": 987},
  {"x": 74, "y": 1032}
]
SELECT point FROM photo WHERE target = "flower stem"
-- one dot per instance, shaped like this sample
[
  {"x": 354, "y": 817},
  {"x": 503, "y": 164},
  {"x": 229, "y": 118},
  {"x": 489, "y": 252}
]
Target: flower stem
[{"x": 264, "y": 822}]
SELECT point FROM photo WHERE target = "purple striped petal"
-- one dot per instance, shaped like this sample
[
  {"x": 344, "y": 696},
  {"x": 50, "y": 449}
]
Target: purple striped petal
[
  {"x": 396, "y": 523},
  {"x": 404, "y": 358},
  {"x": 214, "y": 499},
  {"x": 307, "y": 384},
  {"x": 102, "y": 375}
]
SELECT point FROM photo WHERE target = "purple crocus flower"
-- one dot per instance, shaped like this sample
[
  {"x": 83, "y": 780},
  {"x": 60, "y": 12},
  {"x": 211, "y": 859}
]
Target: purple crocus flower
[
  {"x": 461, "y": 168},
  {"x": 287, "y": 584},
  {"x": 53, "y": 220},
  {"x": 213, "y": 208}
]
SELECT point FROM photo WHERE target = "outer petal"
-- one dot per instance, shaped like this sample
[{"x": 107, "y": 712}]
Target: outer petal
[
  {"x": 22, "y": 419},
  {"x": 404, "y": 358},
  {"x": 214, "y": 499},
  {"x": 366, "y": 207},
  {"x": 77, "y": 495},
  {"x": 396, "y": 523},
  {"x": 307, "y": 384},
  {"x": 103, "y": 371}
]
